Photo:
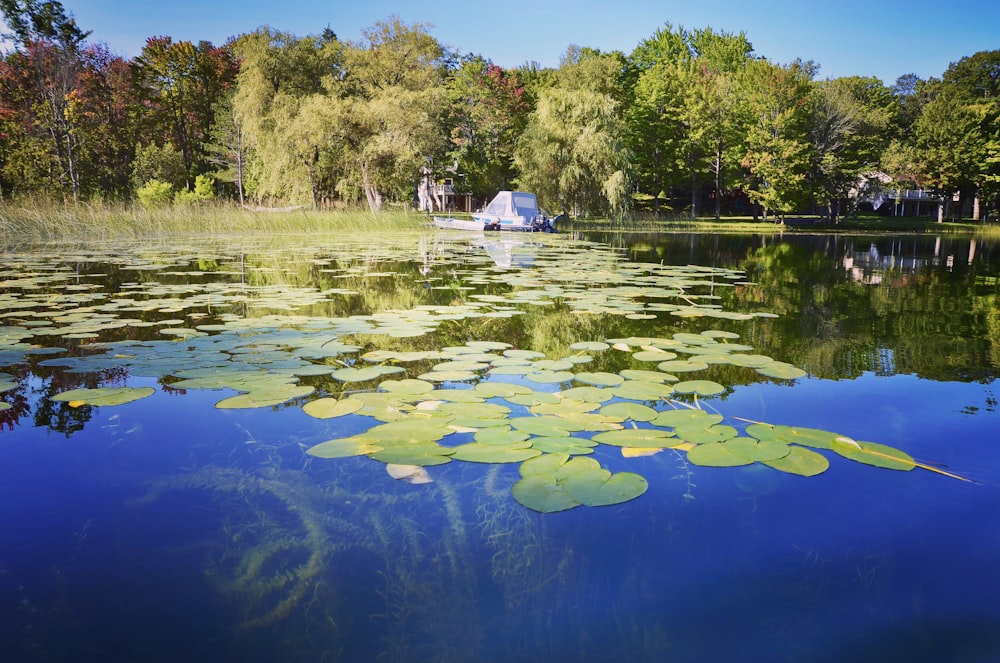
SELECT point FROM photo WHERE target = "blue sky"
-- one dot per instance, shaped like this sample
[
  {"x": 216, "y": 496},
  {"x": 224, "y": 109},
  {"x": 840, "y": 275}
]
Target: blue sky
[{"x": 882, "y": 38}]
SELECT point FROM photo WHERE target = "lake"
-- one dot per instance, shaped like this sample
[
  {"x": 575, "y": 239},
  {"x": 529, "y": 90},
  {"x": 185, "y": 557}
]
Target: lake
[{"x": 432, "y": 446}]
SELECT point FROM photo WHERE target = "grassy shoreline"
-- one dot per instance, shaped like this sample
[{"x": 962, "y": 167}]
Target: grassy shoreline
[{"x": 33, "y": 222}]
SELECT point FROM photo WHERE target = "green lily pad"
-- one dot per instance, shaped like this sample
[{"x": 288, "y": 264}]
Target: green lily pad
[
  {"x": 700, "y": 434},
  {"x": 589, "y": 346},
  {"x": 638, "y": 437},
  {"x": 625, "y": 410},
  {"x": 500, "y": 435},
  {"x": 547, "y": 426},
  {"x": 686, "y": 417},
  {"x": 474, "y": 452},
  {"x": 542, "y": 493},
  {"x": 681, "y": 366},
  {"x": 544, "y": 465},
  {"x": 599, "y": 487},
  {"x": 801, "y": 461},
  {"x": 782, "y": 371},
  {"x": 407, "y": 386},
  {"x": 104, "y": 395},
  {"x": 351, "y": 374},
  {"x": 871, "y": 453},
  {"x": 757, "y": 451},
  {"x": 715, "y": 454},
  {"x": 502, "y": 389},
  {"x": 328, "y": 408},
  {"x": 264, "y": 398},
  {"x": 699, "y": 387},
  {"x": 414, "y": 454},
  {"x": 343, "y": 448},
  {"x": 573, "y": 446},
  {"x": 599, "y": 379},
  {"x": 638, "y": 390},
  {"x": 807, "y": 437}
]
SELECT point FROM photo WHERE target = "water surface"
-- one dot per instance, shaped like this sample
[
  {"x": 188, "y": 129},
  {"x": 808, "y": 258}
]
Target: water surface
[{"x": 172, "y": 529}]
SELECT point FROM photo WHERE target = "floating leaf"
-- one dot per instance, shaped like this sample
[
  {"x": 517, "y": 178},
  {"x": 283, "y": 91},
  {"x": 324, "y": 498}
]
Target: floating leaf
[
  {"x": 757, "y": 451},
  {"x": 546, "y": 464},
  {"x": 626, "y": 410},
  {"x": 327, "y": 408},
  {"x": 542, "y": 493},
  {"x": 699, "y": 387},
  {"x": 104, "y": 395},
  {"x": 563, "y": 445},
  {"x": 681, "y": 366},
  {"x": 801, "y": 461},
  {"x": 408, "y": 386},
  {"x": 715, "y": 454},
  {"x": 502, "y": 389},
  {"x": 351, "y": 374},
  {"x": 599, "y": 487},
  {"x": 871, "y": 453},
  {"x": 679, "y": 417},
  {"x": 264, "y": 398},
  {"x": 782, "y": 371},
  {"x": 501, "y": 435},
  {"x": 547, "y": 426},
  {"x": 807, "y": 437},
  {"x": 589, "y": 346},
  {"x": 474, "y": 452},
  {"x": 343, "y": 448},
  {"x": 700, "y": 434},
  {"x": 599, "y": 379},
  {"x": 414, "y": 454},
  {"x": 638, "y": 437}
]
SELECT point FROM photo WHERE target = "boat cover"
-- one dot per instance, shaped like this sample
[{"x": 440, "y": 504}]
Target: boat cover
[{"x": 513, "y": 203}]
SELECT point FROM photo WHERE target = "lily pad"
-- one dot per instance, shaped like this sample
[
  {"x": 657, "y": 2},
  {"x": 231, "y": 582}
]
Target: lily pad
[
  {"x": 871, "y": 453},
  {"x": 599, "y": 487},
  {"x": 625, "y": 410},
  {"x": 328, "y": 408},
  {"x": 343, "y": 448},
  {"x": 542, "y": 493},
  {"x": 801, "y": 461},
  {"x": 638, "y": 437},
  {"x": 104, "y": 395},
  {"x": 715, "y": 454},
  {"x": 699, "y": 387},
  {"x": 474, "y": 452}
]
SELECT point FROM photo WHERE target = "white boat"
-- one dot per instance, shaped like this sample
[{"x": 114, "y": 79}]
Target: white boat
[{"x": 509, "y": 210}]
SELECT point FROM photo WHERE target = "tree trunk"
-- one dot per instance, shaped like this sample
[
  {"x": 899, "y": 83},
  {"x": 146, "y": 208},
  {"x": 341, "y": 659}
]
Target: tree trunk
[{"x": 371, "y": 191}]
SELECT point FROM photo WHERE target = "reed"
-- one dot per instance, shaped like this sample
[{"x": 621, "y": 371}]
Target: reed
[{"x": 42, "y": 220}]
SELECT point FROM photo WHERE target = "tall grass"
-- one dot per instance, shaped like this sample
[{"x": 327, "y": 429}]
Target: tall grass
[{"x": 32, "y": 221}]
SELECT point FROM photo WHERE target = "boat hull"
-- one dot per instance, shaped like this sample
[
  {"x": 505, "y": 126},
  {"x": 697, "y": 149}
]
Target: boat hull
[{"x": 479, "y": 224}]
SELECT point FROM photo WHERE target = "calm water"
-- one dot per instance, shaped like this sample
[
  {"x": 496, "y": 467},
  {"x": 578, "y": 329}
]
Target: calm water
[{"x": 169, "y": 529}]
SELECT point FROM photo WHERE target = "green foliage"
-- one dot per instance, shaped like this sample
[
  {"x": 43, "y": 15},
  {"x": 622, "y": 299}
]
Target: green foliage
[
  {"x": 158, "y": 162},
  {"x": 155, "y": 193},
  {"x": 572, "y": 153}
]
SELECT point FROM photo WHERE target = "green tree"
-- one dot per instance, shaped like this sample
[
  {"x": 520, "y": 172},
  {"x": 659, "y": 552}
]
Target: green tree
[
  {"x": 852, "y": 120},
  {"x": 779, "y": 150},
  {"x": 395, "y": 102},
  {"x": 488, "y": 110},
  {"x": 716, "y": 121},
  {"x": 572, "y": 153},
  {"x": 283, "y": 151},
  {"x": 957, "y": 130},
  {"x": 179, "y": 85}
]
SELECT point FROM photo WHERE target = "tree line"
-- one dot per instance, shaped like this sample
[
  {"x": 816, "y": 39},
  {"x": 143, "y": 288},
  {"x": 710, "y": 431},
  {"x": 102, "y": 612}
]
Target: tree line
[{"x": 691, "y": 121}]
